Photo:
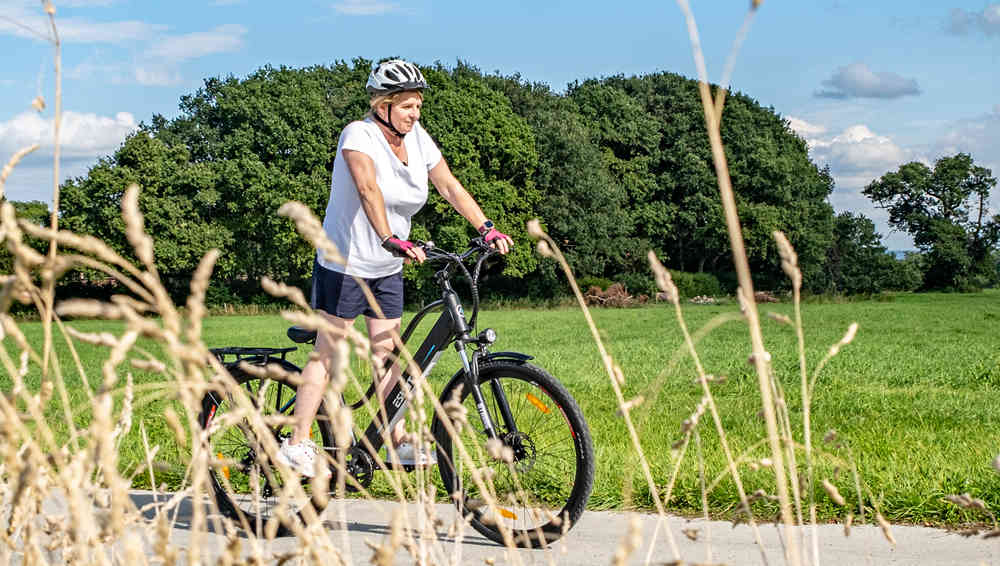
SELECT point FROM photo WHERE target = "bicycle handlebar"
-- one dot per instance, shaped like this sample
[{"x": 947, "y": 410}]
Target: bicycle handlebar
[{"x": 476, "y": 245}]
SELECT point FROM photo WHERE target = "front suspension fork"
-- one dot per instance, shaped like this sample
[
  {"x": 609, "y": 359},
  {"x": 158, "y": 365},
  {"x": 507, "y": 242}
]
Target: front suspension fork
[{"x": 472, "y": 382}]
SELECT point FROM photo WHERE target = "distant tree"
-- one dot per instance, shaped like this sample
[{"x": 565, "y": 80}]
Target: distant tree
[
  {"x": 34, "y": 211},
  {"x": 652, "y": 131},
  {"x": 858, "y": 263},
  {"x": 945, "y": 209},
  {"x": 583, "y": 207}
]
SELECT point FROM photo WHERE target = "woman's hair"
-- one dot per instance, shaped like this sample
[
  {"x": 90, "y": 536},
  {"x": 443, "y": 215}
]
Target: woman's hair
[{"x": 381, "y": 99}]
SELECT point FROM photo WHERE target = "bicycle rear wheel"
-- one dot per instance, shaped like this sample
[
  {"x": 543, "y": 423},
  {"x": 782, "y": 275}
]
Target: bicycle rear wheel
[
  {"x": 246, "y": 487},
  {"x": 543, "y": 468}
]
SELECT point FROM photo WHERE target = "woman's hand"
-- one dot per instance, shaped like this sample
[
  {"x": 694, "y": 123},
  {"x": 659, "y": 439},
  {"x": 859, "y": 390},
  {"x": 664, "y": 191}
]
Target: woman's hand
[
  {"x": 404, "y": 249},
  {"x": 502, "y": 242}
]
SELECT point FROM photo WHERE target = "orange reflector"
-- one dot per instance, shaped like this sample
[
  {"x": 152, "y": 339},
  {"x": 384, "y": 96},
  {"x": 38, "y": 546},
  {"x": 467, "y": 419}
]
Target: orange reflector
[
  {"x": 225, "y": 469},
  {"x": 506, "y": 514},
  {"x": 537, "y": 403}
]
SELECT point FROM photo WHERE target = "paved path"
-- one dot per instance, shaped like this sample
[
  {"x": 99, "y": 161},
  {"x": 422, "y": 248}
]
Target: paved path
[{"x": 599, "y": 534}]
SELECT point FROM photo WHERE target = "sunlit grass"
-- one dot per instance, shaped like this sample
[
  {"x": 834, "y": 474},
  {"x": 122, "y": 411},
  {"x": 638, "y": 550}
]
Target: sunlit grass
[{"x": 909, "y": 397}]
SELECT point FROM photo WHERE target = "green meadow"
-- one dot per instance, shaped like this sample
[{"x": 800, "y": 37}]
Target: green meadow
[{"x": 913, "y": 399}]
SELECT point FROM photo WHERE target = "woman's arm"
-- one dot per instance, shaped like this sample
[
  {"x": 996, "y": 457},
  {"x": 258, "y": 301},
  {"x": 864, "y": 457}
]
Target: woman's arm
[
  {"x": 459, "y": 198},
  {"x": 363, "y": 171}
]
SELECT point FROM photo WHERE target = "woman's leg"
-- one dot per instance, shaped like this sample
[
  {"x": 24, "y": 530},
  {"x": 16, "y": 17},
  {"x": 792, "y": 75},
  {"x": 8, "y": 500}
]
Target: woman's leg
[
  {"x": 381, "y": 333},
  {"x": 315, "y": 376}
]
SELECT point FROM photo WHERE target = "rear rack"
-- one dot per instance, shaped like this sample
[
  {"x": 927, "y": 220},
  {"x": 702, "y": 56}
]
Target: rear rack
[{"x": 242, "y": 353}]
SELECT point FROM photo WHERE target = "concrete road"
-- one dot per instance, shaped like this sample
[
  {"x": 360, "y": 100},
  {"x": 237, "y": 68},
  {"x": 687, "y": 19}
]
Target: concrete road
[{"x": 595, "y": 540}]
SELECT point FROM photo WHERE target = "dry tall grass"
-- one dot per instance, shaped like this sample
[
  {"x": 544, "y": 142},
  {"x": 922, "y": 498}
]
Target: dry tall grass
[{"x": 67, "y": 502}]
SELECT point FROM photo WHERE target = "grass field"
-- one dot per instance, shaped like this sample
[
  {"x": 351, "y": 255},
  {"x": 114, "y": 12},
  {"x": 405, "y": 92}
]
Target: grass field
[{"x": 913, "y": 399}]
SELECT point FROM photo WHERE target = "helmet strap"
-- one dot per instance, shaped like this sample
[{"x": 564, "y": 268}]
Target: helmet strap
[{"x": 388, "y": 123}]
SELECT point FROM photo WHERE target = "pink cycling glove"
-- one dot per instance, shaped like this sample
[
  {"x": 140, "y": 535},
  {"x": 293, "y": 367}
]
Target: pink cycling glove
[
  {"x": 494, "y": 234},
  {"x": 397, "y": 247}
]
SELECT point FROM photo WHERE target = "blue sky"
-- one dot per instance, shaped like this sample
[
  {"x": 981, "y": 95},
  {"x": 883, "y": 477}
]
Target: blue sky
[{"x": 869, "y": 84}]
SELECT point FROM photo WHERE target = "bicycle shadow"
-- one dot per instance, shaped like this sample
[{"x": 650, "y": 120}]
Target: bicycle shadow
[{"x": 180, "y": 511}]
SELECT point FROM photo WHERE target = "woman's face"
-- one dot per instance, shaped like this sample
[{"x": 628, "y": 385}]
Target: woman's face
[{"x": 406, "y": 111}]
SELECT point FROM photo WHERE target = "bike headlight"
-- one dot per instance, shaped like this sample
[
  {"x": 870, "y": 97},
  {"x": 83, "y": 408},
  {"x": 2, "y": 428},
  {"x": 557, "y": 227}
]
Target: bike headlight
[{"x": 488, "y": 336}]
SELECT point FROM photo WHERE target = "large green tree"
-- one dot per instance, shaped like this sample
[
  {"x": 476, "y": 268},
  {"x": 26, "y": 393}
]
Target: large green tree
[
  {"x": 946, "y": 210},
  {"x": 652, "y": 131},
  {"x": 583, "y": 207},
  {"x": 858, "y": 263}
]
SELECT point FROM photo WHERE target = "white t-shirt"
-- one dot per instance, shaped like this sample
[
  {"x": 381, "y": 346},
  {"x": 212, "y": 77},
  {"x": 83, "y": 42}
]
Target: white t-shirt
[{"x": 404, "y": 189}]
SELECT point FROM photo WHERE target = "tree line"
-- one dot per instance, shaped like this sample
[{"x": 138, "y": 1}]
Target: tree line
[{"x": 613, "y": 167}]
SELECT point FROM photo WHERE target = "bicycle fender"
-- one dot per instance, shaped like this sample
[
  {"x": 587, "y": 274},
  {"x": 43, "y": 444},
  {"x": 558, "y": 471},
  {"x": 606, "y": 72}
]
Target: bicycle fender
[
  {"x": 459, "y": 376},
  {"x": 516, "y": 356}
]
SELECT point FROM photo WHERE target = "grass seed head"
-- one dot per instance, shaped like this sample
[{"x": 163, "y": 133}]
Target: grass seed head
[
  {"x": 497, "y": 451},
  {"x": 629, "y": 405},
  {"x": 174, "y": 422},
  {"x": 544, "y": 249},
  {"x": 780, "y": 318},
  {"x": 966, "y": 501},
  {"x": 886, "y": 528},
  {"x": 535, "y": 229},
  {"x": 311, "y": 229},
  {"x": 834, "y": 493},
  {"x": 852, "y": 330},
  {"x": 789, "y": 259},
  {"x": 663, "y": 279},
  {"x": 135, "y": 229}
]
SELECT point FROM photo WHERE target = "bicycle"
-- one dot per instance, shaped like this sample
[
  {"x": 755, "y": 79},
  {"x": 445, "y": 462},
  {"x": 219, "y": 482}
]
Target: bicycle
[{"x": 544, "y": 438}]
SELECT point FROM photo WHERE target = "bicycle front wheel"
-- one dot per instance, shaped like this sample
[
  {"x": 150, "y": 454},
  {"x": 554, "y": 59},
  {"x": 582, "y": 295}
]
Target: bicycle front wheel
[
  {"x": 533, "y": 481},
  {"x": 247, "y": 487}
]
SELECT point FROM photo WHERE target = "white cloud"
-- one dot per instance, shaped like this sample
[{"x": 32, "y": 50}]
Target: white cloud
[
  {"x": 222, "y": 39},
  {"x": 84, "y": 3},
  {"x": 856, "y": 157},
  {"x": 81, "y": 135},
  {"x": 84, "y": 138},
  {"x": 857, "y": 80},
  {"x": 90, "y": 69},
  {"x": 859, "y": 151},
  {"x": 365, "y": 7},
  {"x": 804, "y": 129},
  {"x": 963, "y": 22},
  {"x": 88, "y": 31},
  {"x": 27, "y": 19},
  {"x": 156, "y": 75}
]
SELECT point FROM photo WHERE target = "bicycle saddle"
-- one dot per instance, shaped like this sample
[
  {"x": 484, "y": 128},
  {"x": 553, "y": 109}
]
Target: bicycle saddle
[{"x": 301, "y": 335}]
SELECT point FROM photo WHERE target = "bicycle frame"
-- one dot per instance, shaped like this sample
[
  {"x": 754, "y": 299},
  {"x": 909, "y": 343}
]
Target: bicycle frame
[{"x": 450, "y": 328}]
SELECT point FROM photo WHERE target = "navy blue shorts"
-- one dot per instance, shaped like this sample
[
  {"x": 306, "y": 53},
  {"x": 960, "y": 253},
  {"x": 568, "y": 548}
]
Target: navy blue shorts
[{"x": 340, "y": 295}]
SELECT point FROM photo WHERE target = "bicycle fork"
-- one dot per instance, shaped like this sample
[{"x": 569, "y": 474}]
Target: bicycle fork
[{"x": 500, "y": 397}]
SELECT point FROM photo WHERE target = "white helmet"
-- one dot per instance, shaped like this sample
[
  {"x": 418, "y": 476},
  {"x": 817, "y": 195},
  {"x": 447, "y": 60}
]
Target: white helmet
[{"x": 393, "y": 76}]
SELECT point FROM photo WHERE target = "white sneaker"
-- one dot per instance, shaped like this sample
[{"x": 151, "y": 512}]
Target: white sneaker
[
  {"x": 407, "y": 455},
  {"x": 301, "y": 457}
]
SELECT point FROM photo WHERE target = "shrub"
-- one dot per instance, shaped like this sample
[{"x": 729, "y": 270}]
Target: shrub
[
  {"x": 697, "y": 284},
  {"x": 638, "y": 283},
  {"x": 590, "y": 281}
]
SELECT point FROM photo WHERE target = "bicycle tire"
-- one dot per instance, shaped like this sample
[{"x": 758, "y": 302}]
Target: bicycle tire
[
  {"x": 535, "y": 506},
  {"x": 237, "y": 474}
]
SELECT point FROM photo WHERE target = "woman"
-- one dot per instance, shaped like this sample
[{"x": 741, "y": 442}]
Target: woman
[{"x": 380, "y": 176}]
